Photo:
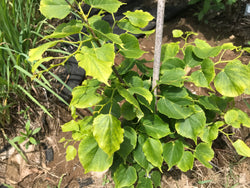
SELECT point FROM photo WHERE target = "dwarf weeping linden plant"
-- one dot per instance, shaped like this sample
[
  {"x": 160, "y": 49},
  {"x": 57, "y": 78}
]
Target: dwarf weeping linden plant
[{"x": 127, "y": 132}]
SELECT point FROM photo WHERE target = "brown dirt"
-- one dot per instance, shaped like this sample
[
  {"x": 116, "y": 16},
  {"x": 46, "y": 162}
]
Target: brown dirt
[{"x": 229, "y": 169}]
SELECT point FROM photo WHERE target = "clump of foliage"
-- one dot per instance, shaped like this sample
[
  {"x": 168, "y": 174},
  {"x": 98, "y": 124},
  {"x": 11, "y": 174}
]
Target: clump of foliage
[
  {"x": 127, "y": 132},
  {"x": 211, "y": 6}
]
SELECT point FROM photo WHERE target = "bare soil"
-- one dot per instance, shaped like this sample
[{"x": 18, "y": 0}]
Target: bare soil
[{"x": 48, "y": 164}]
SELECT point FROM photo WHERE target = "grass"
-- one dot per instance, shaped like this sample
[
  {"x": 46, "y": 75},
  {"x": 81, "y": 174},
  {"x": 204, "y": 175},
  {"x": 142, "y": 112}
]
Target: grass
[{"x": 20, "y": 30}]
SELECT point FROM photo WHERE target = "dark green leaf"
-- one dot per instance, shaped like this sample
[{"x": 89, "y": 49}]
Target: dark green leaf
[
  {"x": 128, "y": 111},
  {"x": 129, "y": 143},
  {"x": 139, "y": 155},
  {"x": 155, "y": 127},
  {"x": 190, "y": 58}
]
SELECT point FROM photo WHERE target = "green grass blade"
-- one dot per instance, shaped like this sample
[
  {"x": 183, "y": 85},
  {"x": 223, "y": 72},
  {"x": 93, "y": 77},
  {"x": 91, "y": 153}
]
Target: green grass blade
[
  {"x": 34, "y": 100},
  {"x": 41, "y": 83},
  {"x": 13, "y": 144}
]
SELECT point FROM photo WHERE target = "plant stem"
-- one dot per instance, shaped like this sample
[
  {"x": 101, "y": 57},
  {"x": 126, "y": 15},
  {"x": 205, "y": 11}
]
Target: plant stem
[{"x": 158, "y": 42}]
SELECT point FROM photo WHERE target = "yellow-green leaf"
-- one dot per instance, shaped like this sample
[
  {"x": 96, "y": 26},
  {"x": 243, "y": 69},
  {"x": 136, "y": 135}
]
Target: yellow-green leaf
[
  {"x": 139, "y": 18},
  {"x": 108, "y": 133},
  {"x": 97, "y": 62},
  {"x": 242, "y": 148},
  {"x": 55, "y": 9}
]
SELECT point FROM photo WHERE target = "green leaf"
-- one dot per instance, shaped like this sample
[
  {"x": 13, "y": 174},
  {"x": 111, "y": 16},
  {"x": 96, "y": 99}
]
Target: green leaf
[
  {"x": 131, "y": 48},
  {"x": 70, "y": 153},
  {"x": 103, "y": 30},
  {"x": 66, "y": 29},
  {"x": 203, "y": 50},
  {"x": 192, "y": 126},
  {"x": 125, "y": 66},
  {"x": 129, "y": 143},
  {"x": 144, "y": 182},
  {"x": 174, "y": 110},
  {"x": 128, "y": 111},
  {"x": 39, "y": 62},
  {"x": 169, "y": 50},
  {"x": 233, "y": 80},
  {"x": 152, "y": 149},
  {"x": 155, "y": 127},
  {"x": 36, "y": 130},
  {"x": 242, "y": 148},
  {"x": 236, "y": 117},
  {"x": 190, "y": 58},
  {"x": 125, "y": 176},
  {"x": 108, "y": 106},
  {"x": 172, "y": 63},
  {"x": 86, "y": 96},
  {"x": 92, "y": 157},
  {"x": 177, "y": 33},
  {"x": 126, "y": 25},
  {"x": 139, "y": 18},
  {"x": 108, "y": 133},
  {"x": 174, "y": 77},
  {"x": 32, "y": 140},
  {"x": 156, "y": 178},
  {"x": 36, "y": 53},
  {"x": 70, "y": 126},
  {"x": 210, "y": 133},
  {"x": 55, "y": 9},
  {"x": 199, "y": 79},
  {"x": 209, "y": 102},
  {"x": 110, "y": 6},
  {"x": 130, "y": 98},
  {"x": 186, "y": 162},
  {"x": 139, "y": 155},
  {"x": 204, "y": 153},
  {"x": 173, "y": 152},
  {"x": 97, "y": 62},
  {"x": 143, "y": 92}
]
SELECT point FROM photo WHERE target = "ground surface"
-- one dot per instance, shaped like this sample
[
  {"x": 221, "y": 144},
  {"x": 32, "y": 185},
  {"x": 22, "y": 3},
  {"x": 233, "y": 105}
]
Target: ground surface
[{"x": 230, "y": 170}]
